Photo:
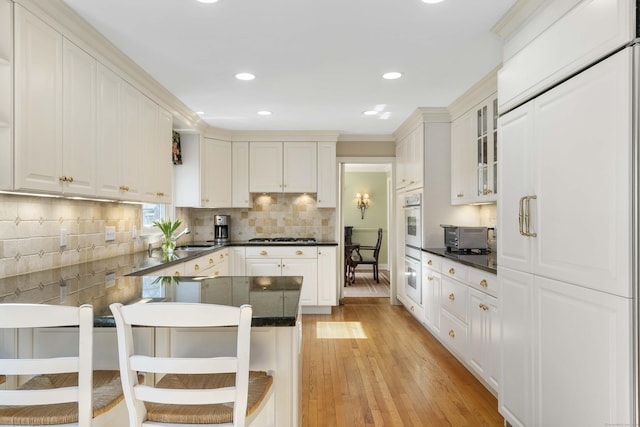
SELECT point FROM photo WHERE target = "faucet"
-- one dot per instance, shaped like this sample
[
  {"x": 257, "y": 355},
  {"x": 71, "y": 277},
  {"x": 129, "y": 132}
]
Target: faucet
[{"x": 185, "y": 231}]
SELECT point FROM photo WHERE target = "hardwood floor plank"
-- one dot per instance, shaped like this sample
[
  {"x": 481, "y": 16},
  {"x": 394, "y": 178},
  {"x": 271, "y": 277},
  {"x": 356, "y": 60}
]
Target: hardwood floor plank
[{"x": 397, "y": 374}]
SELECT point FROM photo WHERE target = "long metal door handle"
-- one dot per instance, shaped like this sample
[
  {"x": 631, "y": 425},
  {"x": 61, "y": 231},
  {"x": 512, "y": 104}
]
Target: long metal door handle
[
  {"x": 528, "y": 217},
  {"x": 521, "y": 215}
]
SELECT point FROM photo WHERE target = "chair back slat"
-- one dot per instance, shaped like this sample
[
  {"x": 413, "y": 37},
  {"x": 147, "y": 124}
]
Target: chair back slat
[
  {"x": 186, "y": 396},
  {"x": 175, "y": 365},
  {"x": 38, "y": 316},
  {"x": 159, "y": 315},
  {"x": 39, "y": 366},
  {"x": 39, "y": 397}
]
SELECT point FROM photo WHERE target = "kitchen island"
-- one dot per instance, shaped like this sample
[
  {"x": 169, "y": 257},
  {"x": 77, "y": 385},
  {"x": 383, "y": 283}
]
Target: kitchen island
[{"x": 276, "y": 323}]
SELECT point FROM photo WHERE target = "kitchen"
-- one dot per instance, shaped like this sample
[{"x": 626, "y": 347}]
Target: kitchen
[{"x": 527, "y": 400}]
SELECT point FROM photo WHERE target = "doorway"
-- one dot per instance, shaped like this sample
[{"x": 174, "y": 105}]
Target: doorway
[{"x": 365, "y": 206}]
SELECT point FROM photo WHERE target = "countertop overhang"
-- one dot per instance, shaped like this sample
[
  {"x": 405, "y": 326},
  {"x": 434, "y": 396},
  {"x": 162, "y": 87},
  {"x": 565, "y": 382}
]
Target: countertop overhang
[{"x": 486, "y": 262}]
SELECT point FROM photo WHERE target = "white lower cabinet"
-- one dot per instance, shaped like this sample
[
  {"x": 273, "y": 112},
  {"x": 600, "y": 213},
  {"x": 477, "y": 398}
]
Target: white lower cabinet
[
  {"x": 327, "y": 275},
  {"x": 286, "y": 261},
  {"x": 214, "y": 264},
  {"x": 461, "y": 310}
]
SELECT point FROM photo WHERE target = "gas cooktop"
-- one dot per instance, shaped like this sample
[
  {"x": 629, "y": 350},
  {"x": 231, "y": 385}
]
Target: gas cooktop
[{"x": 282, "y": 240}]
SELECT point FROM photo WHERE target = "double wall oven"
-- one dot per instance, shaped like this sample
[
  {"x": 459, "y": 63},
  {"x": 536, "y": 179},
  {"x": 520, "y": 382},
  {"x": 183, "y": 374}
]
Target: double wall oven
[{"x": 412, "y": 207}]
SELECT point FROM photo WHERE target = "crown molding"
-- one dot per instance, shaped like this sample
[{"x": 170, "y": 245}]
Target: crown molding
[
  {"x": 366, "y": 138},
  {"x": 275, "y": 136},
  {"x": 72, "y": 26},
  {"x": 480, "y": 91},
  {"x": 422, "y": 115},
  {"x": 515, "y": 17}
]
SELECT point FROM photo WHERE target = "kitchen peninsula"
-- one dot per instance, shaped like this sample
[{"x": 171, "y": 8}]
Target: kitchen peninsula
[{"x": 276, "y": 323}]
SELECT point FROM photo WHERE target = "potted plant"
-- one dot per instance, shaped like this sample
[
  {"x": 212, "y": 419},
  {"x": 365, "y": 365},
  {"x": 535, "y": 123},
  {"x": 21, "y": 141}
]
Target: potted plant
[{"x": 168, "y": 227}]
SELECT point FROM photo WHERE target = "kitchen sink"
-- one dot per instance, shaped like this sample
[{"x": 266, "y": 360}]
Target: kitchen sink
[{"x": 194, "y": 247}]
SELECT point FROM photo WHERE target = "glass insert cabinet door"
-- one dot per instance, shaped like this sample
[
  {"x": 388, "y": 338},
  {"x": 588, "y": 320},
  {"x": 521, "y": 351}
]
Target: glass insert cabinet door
[{"x": 487, "y": 148}]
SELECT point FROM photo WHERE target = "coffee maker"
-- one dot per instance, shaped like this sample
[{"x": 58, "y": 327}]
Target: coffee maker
[{"x": 221, "y": 228}]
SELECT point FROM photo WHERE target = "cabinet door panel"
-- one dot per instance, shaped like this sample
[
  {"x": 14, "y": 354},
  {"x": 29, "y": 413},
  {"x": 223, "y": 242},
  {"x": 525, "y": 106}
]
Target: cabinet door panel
[
  {"x": 515, "y": 181},
  {"x": 327, "y": 275},
  {"x": 300, "y": 165},
  {"x": 582, "y": 355},
  {"x": 109, "y": 133},
  {"x": 463, "y": 165},
  {"x": 131, "y": 142},
  {"x": 265, "y": 171},
  {"x": 583, "y": 134},
  {"x": 240, "y": 197},
  {"x": 149, "y": 149},
  {"x": 217, "y": 172},
  {"x": 79, "y": 120},
  {"x": 38, "y": 104},
  {"x": 6, "y": 94},
  {"x": 263, "y": 267},
  {"x": 164, "y": 178},
  {"x": 327, "y": 166},
  {"x": 516, "y": 385},
  {"x": 307, "y": 268}
]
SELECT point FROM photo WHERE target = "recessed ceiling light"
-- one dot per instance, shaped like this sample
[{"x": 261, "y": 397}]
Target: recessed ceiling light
[
  {"x": 245, "y": 76},
  {"x": 432, "y": 1},
  {"x": 208, "y": 1},
  {"x": 392, "y": 75},
  {"x": 264, "y": 113},
  {"x": 370, "y": 113},
  {"x": 200, "y": 113}
]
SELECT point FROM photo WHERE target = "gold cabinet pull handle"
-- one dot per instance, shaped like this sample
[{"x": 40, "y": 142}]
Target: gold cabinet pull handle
[
  {"x": 196, "y": 267},
  {"x": 298, "y": 252},
  {"x": 452, "y": 334},
  {"x": 452, "y": 271},
  {"x": 429, "y": 262},
  {"x": 263, "y": 252},
  {"x": 483, "y": 307},
  {"x": 483, "y": 283},
  {"x": 452, "y": 297},
  {"x": 459, "y": 195}
]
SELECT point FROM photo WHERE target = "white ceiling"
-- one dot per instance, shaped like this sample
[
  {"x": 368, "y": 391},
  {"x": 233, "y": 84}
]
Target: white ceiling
[{"x": 318, "y": 63}]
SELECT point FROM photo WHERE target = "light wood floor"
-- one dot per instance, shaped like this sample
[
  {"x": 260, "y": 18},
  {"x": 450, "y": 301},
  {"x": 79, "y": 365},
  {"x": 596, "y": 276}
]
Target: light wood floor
[{"x": 382, "y": 368}]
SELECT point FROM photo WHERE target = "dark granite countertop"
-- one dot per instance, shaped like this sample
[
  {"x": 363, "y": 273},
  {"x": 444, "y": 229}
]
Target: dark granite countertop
[{"x": 486, "y": 262}]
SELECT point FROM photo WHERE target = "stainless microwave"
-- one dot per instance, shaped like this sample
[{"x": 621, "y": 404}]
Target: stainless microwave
[{"x": 465, "y": 238}]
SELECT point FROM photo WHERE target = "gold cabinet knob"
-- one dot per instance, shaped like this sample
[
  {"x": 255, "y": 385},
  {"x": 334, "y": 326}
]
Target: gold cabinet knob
[
  {"x": 483, "y": 283},
  {"x": 429, "y": 277},
  {"x": 298, "y": 252},
  {"x": 221, "y": 256},
  {"x": 412, "y": 308},
  {"x": 160, "y": 194},
  {"x": 63, "y": 178},
  {"x": 483, "y": 307},
  {"x": 210, "y": 260},
  {"x": 430, "y": 262},
  {"x": 196, "y": 267},
  {"x": 459, "y": 195},
  {"x": 217, "y": 273},
  {"x": 452, "y": 334},
  {"x": 70, "y": 179},
  {"x": 452, "y": 271},
  {"x": 263, "y": 252},
  {"x": 177, "y": 273},
  {"x": 452, "y": 297}
]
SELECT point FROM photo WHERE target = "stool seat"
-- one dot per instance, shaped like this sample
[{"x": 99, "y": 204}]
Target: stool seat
[
  {"x": 259, "y": 384},
  {"x": 107, "y": 393}
]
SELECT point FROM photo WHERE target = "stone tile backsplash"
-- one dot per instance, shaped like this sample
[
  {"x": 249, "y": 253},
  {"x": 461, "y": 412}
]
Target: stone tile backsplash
[
  {"x": 30, "y": 227},
  {"x": 272, "y": 215},
  {"x": 30, "y": 232}
]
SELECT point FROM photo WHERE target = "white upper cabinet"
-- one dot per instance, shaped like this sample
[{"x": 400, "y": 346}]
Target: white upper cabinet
[
  {"x": 549, "y": 222},
  {"x": 240, "y": 196},
  {"x": 327, "y": 185},
  {"x": 6, "y": 94},
  {"x": 38, "y": 104},
  {"x": 462, "y": 160},
  {"x": 131, "y": 159},
  {"x": 474, "y": 154},
  {"x": 288, "y": 167},
  {"x": 203, "y": 180},
  {"x": 410, "y": 160},
  {"x": 156, "y": 144},
  {"x": 554, "y": 45},
  {"x": 109, "y": 134},
  {"x": 79, "y": 139},
  {"x": 163, "y": 151},
  {"x": 217, "y": 173}
]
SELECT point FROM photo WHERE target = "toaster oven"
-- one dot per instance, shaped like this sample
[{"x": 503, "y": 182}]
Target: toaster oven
[{"x": 465, "y": 239}]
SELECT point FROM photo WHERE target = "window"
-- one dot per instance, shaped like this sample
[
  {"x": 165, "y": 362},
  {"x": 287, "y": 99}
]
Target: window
[{"x": 152, "y": 213}]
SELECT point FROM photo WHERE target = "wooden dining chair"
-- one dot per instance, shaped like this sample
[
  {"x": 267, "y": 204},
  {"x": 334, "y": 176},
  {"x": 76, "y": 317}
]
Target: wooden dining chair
[
  {"x": 61, "y": 389},
  {"x": 358, "y": 258},
  {"x": 208, "y": 391}
]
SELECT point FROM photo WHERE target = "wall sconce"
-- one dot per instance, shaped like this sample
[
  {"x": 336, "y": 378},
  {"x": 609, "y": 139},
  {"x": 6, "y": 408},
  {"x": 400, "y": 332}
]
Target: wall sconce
[{"x": 363, "y": 203}]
